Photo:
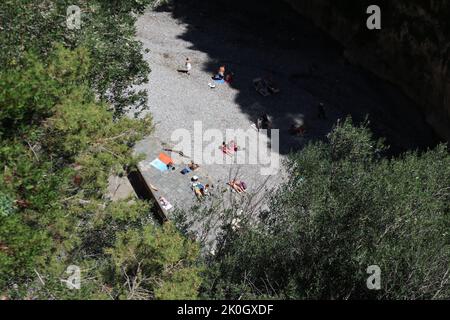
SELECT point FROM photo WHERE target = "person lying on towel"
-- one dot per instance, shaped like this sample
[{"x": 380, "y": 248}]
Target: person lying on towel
[
  {"x": 225, "y": 149},
  {"x": 193, "y": 166},
  {"x": 238, "y": 186}
]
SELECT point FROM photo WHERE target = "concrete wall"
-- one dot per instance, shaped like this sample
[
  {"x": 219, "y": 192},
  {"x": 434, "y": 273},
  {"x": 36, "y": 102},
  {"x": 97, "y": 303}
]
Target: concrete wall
[{"x": 412, "y": 50}]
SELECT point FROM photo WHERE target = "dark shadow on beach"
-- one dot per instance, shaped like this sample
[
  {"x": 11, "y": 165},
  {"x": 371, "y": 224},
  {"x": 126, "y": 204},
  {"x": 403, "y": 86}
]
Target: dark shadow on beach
[{"x": 268, "y": 39}]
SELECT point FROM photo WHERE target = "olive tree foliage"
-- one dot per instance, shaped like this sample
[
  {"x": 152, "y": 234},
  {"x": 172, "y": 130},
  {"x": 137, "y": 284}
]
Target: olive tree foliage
[
  {"x": 156, "y": 263},
  {"x": 107, "y": 32},
  {"x": 345, "y": 207},
  {"x": 62, "y": 135}
]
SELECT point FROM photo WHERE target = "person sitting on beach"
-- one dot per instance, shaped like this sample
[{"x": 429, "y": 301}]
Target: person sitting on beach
[
  {"x": 220, "y": 75},
  {"x": 171, "y": 166},
  {"x": 197, "y": 192},
  {"x": 187, "y": 67},
  {"x": 205, "y": 190},
  {"x": 264, "y": 122},
  {"x": 267, "y": 123},
  {"x": 193, "y": 166},
  {"x": 197, "y": 187},
  {"x": 298, "y": 127},
  {"x": 229, "y": 77},
  {"x": 200, "y": 190}
]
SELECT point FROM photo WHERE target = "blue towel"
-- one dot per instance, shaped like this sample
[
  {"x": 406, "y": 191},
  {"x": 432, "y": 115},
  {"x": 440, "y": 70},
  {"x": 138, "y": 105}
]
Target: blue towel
[
  {"x": 158, "y": 164},
  {"x": 185, "y": 171}
]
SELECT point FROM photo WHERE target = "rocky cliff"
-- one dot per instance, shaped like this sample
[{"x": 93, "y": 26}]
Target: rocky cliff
[{"x": 412, "y": 49}]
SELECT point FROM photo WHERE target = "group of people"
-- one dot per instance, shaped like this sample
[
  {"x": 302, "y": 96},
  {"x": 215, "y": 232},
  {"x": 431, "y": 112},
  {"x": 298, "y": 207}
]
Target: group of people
[
  {"x": 221, "y": 76},
  {"x": 229, "y": 148},
  {"x": 264, "y": 122},
  {"x": 199, "y": 189}
]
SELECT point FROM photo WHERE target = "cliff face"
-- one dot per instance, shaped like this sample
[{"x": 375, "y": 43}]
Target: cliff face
[{"x": 412, "y": 50}]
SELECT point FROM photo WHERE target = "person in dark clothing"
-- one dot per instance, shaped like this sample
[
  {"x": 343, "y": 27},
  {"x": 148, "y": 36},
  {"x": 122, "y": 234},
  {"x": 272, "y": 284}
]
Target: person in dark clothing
[
  {"x": 264, "y": 122},
  {"x": 321, "y": 111},
  {"x": 220, "y": 75}
]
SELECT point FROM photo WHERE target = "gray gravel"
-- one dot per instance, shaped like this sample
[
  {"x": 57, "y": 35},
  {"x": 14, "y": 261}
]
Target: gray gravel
[{"x": 177, "y": 100}]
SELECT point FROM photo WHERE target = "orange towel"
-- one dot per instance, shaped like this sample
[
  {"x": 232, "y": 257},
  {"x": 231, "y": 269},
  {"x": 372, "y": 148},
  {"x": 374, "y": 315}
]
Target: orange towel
[{"x": 165, "y": 158}]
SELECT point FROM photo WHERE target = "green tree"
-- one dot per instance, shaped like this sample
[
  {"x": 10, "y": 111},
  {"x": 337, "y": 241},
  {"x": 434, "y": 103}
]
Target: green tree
[
  {"x": 344, "y": 209},
  {"x": 156, "y": 263},
  {"x": 62, "y": 135},
  {"x": 107, "y": 32}
]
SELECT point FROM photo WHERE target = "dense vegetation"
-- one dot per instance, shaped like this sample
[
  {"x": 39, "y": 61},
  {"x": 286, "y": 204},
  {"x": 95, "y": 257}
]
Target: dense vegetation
[
  {"x": 345, "y": 208},
  {"x": 62, "y": 134}
]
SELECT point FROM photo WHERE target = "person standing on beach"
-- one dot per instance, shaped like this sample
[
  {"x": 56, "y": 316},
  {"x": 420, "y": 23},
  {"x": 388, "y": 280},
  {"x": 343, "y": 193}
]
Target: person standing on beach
[
  {"x": 321, "y": 111},
  {"x": 188, "y": 66}
]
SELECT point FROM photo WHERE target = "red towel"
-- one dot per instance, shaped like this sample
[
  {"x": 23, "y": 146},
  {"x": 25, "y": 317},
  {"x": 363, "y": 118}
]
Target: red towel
[{"x": 165, "y": 158}]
